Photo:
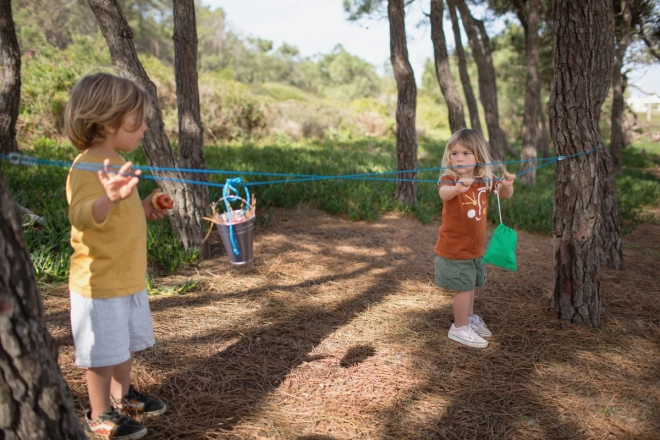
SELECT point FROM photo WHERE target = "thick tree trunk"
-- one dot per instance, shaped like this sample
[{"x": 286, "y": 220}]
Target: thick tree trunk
[
  {"x": 611, "y": 249},
  {"x": 609, "y": 238},
  {"x": 470, "y": 100},
  {"x": 35, "y": 402},
  {"x": 442, "y": 70},
  {"x": 191, "y": 140},
  {"x": 10, "y": 96},
  {"x": 406, "y": 133},
  {"x": 583, "y": 50},
  {"x": 617, "y": 136},
  {"x": 487, "y": 82},
  {"x": 187, "y": 222},
  {"x": 529, "y": 132},
  {"x": 485, "y": 43}
]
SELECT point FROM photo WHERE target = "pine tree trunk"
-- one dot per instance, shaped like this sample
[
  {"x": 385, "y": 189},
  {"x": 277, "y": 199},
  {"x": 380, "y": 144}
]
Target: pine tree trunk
[
  {"x": 187, "y": 222},
  {"x": 470, "y": 99},
  {"x": 487, "y": 83},
  {"x": 10, "y": 96},
  {"x": 191, "y": 139},
  {"x": 609, "y": 238},
  {"x": 35, "y": 402},
  {"x": 529, "y": 133},
  {"x": 611, "y": 249},
  {"x": 442, "y": 69},
  {"x": 485, "y": 43},
  {"x": 583, "y": 40},
  {"x": 406, "y": 133},
  {"x": 617, "y": 136}
]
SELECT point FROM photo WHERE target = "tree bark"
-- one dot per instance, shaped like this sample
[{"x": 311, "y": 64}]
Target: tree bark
[
  {"x": 487, "y": 82},
  {"x": 406, "y": 133},
  {"x": 10, "y": 97},
  {"x": 442, "y": 70},
  {"x": 485, "y": 43},
  {"x": 470, "y": 100},
  {"x": 582, "y": 52},
  {"x": 617, "y": 136},
  {"x": 529, "y": 128},
  {"x": 187, "y": 222},
  {"x": 35, "y": 402},
  {"x": 191, "y": 140},
  {"x": 609, "y": 238}
]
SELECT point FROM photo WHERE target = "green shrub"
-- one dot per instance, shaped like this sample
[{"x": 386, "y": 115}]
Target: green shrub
[
  {"x": 45, "y": 86},
  {"x": 330, "y": 161}
]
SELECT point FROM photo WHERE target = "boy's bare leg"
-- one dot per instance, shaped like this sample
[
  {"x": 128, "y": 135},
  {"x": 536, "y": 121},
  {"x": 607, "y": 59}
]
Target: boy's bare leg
[
  {"x": 98, "y": 388},
  {"x": 462, "y": 307},
  {"x": 121, "y": 379}
]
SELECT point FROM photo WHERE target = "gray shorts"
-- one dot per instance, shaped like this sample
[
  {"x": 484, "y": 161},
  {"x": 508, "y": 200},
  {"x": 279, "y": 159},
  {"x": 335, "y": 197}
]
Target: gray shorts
[
  {"x": 107, "y": 331},
  {"x": 459, "y": 275}
]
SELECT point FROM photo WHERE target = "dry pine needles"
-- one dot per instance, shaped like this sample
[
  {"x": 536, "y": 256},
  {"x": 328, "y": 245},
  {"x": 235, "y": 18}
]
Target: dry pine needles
[{"x": 338, "y": 332}]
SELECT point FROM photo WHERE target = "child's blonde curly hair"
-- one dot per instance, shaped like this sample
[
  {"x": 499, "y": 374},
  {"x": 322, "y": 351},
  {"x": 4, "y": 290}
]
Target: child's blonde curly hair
[
  {"x": 99, "y": 100},
  {"x": 475, "y": 142}
]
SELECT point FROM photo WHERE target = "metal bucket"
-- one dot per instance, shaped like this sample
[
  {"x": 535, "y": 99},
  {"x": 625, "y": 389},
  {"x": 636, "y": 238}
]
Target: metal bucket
[{"x": 243, "y": 238}]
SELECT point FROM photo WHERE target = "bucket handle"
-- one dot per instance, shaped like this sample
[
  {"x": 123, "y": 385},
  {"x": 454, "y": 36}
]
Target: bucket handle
[{"x": 228, "y": 196}]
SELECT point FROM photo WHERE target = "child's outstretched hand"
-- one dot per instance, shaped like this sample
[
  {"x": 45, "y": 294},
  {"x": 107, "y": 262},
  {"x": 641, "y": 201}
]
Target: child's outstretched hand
[
  {"x": 463, "y": 184},
  {"x": 505, "y": 185},
  {"x": 507, "y": 180},
  {"x": 121, "y": 184},
  {"x": 150, "y": 211}
]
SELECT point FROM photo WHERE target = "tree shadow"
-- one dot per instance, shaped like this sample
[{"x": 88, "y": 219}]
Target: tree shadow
[
  {"x": 247, "y": 360},
  {"x": 497, "y": 393},
  {"x": 357, "y": 354}
]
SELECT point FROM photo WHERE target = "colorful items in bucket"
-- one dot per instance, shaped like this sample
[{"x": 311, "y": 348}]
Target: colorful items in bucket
[{"x": 236, "y": 226}]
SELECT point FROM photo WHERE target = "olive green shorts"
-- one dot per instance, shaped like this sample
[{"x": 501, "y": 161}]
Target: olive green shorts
[{"x": 459, "y": 275}]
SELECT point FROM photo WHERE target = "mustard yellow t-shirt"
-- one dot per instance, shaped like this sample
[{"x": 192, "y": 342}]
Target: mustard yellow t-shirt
[{"x": 109, "y": 258}]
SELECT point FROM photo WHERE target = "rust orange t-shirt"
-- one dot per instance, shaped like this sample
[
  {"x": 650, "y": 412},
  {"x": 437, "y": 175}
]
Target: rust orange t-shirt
[{"x": 463, "y": 228}]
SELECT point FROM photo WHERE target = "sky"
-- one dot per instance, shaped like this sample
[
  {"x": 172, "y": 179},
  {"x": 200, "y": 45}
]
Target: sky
[{"x": 317, "y": 26}]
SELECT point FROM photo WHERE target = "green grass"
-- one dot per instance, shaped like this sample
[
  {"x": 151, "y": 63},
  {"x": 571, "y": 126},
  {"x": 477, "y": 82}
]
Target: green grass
[
  {"x": 643, "y": 154},
  {"x": 530, "y": 209}
]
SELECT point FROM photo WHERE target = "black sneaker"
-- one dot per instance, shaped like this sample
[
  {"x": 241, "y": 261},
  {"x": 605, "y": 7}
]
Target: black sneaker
[
  {"x": 112, "y": 425},
  {"x": 134, "y": 402}
]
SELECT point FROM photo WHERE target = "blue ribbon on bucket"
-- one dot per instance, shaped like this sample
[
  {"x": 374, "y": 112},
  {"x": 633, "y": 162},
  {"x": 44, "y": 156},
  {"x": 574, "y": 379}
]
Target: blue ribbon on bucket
[{"x": 229, "y": 197}]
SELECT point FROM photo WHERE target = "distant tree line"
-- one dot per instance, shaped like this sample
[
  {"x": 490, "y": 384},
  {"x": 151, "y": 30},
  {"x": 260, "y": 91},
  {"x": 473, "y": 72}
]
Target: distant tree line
[{"x": 59, "y": 23}]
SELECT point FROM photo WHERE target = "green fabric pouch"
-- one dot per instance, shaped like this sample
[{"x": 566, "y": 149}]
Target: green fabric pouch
[{"x": 501, "y": 250}]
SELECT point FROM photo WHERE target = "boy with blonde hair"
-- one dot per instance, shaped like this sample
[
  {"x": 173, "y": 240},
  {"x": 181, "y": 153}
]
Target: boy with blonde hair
[{"x": 110, "y": 316}]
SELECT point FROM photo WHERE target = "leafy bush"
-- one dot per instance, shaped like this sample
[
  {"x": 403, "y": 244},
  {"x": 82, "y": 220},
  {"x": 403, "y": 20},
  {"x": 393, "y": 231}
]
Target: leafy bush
[{"x": 45, "y": 87}]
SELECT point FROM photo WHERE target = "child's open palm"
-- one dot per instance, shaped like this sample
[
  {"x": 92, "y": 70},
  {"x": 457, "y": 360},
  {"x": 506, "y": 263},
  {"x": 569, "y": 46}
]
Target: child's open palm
[{"x": 121, "y": 184}]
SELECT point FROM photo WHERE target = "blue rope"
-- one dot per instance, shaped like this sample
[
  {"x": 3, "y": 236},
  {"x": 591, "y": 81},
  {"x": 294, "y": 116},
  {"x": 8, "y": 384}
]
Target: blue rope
[
  {"x": 18, "y": 159},
  {"x": 228, "y": 197}
]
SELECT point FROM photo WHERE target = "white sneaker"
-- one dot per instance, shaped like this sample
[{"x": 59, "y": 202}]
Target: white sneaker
[
  {"x": 466, "y": 335},
  {"x": 479, "y": 326}
]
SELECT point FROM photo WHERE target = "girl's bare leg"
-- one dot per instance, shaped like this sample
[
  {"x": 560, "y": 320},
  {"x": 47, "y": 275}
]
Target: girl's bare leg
[{"x": 462, "y": 307}]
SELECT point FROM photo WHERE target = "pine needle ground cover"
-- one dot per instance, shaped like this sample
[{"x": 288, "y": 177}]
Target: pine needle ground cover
[{"x": 338, "y": 332}]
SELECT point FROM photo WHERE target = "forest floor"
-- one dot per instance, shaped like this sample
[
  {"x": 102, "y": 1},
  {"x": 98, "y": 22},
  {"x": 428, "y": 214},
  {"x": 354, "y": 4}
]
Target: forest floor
[{"x": 337, "y": 331}]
